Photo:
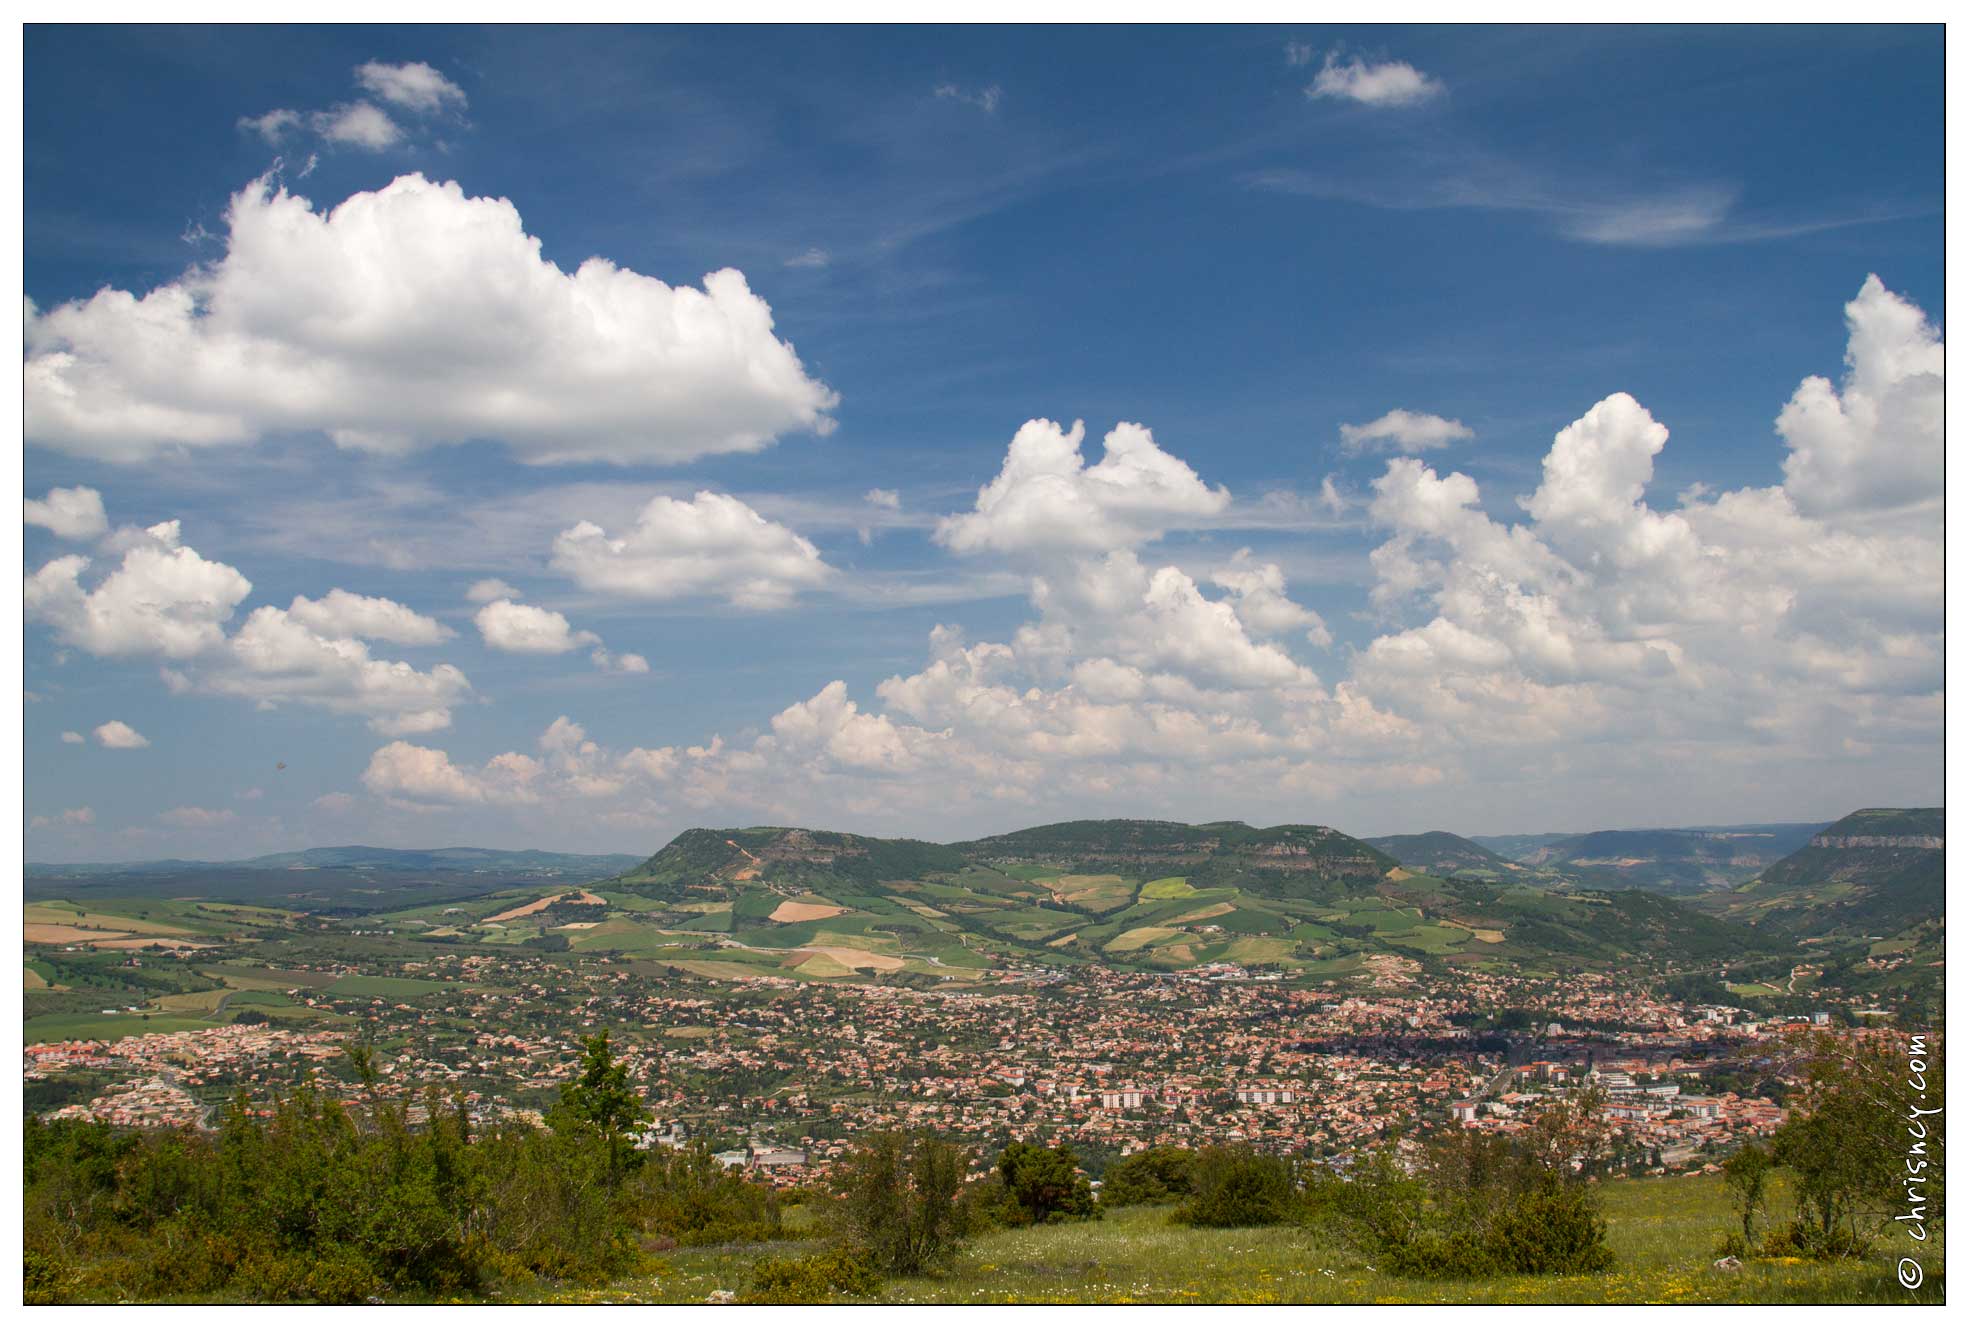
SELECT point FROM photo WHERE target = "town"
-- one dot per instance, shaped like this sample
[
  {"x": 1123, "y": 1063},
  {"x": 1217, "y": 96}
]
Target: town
[{"x": 782, "y": 1076}]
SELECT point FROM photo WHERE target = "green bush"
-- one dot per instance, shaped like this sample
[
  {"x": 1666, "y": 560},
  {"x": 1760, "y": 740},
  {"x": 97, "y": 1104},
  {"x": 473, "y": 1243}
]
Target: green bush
[
  {"x": 1039, "y": 1185},
  {"x": 812, "y": 1279},
  {"x": 901, "y": 1203},
  {"x": 1473, "y": 1206},
  {"x": 1238, "y": 1187},
  {"x": 1161, "y": 1175},
  {"x": 303, "y": 1201}
]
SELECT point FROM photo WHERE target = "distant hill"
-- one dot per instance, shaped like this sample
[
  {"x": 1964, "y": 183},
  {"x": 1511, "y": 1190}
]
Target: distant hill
[
  {"x": 789, "y": 855},
  {"x": 338, "y": 876},
  {"x": 1444, "y": 855},
  {"x": 1220, "y": 853},
  {"x": 1673, "y": 860},
  {"x": 361, "y": 856},
  {"x": 1301, "y": 899},
  {"x": 1876, "y": 872}
]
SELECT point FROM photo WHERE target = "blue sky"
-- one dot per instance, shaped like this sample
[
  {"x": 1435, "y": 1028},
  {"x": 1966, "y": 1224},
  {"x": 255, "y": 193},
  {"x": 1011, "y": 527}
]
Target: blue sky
[{"x": 1242, "y": 239}]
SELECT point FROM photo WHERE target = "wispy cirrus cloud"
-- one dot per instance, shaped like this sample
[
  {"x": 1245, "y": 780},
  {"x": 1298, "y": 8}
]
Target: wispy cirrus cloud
[
  {"x": 986, "y": 99},
  {"x": 1614, "y": 213},
  {"x": 414, "y": 89},
  {"x": 1403, "y": 431}
]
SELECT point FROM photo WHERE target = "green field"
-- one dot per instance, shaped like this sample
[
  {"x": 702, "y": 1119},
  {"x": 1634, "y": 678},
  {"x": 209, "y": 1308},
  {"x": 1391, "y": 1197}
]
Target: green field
[
  {"x": 374, "y": 985},
  {"x": 1663, "y": 1233},
  {"x": 89, "y": 1024}
]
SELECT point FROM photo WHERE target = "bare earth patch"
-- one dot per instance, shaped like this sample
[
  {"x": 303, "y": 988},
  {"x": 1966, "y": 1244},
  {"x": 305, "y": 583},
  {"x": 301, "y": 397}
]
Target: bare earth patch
[
  {"x": 548, "y": 902},
  {"x": 795, "y": 911},
  {"x": 857, "y": 959},
  {"x": 54, "y": 932}
]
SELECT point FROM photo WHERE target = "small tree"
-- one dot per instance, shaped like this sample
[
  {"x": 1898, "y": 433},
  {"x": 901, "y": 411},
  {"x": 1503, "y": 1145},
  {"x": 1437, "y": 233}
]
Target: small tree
[
  {"x": 1044, "y": 1183},
  {"x": 1239, "y": 1188},
  {"x": 600, "y": 1101},
  {"x": 900, "y": 1202},
  {"x": 1746, "y": 1173},
  {"x": 1160, "y": 1175},
  {"x": 1844, "y": 1143}
]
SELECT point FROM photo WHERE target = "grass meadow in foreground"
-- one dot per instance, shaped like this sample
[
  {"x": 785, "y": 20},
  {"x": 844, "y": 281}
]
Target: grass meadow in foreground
[{"x": 1663, "y": 1231}]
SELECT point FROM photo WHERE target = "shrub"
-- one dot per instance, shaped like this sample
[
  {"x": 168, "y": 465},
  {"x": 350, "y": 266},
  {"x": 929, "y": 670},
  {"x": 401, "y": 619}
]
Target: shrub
[
  {"x": 688, "y": 1195},
  {"x": 812, "y": 1279},
  {"x": 1238, "y": 1187},
  {"x": 1161, "y": 1175},
  {"x": 1553, "y": 1228},
  {"x": 1042, "y": 1185},
  {"x": 900, "y": 1201},
  {"x": 1478, "y": 1206}
]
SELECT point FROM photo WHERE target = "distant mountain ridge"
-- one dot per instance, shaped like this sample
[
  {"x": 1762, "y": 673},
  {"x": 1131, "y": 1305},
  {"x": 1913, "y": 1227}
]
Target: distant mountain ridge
[
  {"x": 1132, "y": 893},
  {"x": 337, "y": 877},
  {"x": 1689, "y": 860},
  {"x": 1442, "y": 853},
  {"x": 461, "y": 858},
  {"x": 1878, "y": 871}
]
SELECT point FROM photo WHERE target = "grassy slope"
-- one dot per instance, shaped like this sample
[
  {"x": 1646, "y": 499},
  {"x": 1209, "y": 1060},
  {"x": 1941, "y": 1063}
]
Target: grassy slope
[{"x": 1663, "y": 1233}]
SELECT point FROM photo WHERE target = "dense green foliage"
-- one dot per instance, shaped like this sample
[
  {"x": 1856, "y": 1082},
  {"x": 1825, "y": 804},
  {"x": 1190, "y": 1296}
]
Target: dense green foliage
[
  {"x": 1236, "y": 1187},
  {"x": 1034, "y": 1184},
  {"x": 900, "y": 1201},
  {"x": 1861, "y": 1149},
  {"x": 1161, "y": 1175},
  {"x": 314, "y": 1200},
  {"x": 1477, "y": 1206}
]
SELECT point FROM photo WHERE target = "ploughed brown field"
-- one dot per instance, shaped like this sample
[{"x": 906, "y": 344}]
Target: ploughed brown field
[{"x": 547, "y": 902}]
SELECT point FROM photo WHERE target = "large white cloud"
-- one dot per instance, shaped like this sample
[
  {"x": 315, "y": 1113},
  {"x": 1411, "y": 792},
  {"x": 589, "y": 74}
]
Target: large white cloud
[
  {"x": 407, "y": 317},
  {"x": 1763, "y": 645},
  {"x": 1047, "y": 500},
  {"x": 1875, "y": 442},
  {"x": 1781, "y": 620},
  {"x": 162, "y": 599},
  {"x": 274, "y": 658},
  {"x": 166, "y": 601},
  {"x": 713, "y": 545}
]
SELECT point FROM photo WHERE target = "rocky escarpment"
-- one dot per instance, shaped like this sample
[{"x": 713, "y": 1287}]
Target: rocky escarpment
[{"x": 1876, "y": 842}]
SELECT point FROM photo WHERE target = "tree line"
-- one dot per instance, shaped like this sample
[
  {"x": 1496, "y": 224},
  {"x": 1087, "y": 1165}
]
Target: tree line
[{"x": 400, "y": 1196}]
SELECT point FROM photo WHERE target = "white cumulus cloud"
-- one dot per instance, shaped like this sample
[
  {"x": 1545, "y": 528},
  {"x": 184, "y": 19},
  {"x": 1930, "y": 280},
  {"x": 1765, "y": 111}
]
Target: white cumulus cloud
[
  {"x": 72, "y": 514},
  {"x": 116, "y": 734},
  {"x": 490, "y": 588},
  {"x": 713, "y": 545},
  {"x": 414, "y": 86},
  {"x": 343, "y": 614},
  {"x": 414, "y": 316},
  {"x": 1047, "y": 500},
  {"x": 1386, "y": 83},
  {"x": 162, "y": 599},
  {"x": 529, "y": 630}
]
